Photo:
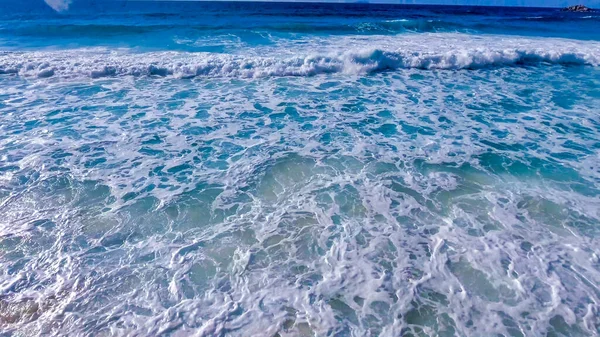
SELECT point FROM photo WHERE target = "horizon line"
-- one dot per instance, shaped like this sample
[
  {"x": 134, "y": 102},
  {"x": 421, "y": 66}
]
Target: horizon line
[{"x": 361, "y": 2}]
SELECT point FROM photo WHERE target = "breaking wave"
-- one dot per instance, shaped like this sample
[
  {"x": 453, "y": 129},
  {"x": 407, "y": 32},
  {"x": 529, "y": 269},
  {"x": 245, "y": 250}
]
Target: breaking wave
[{"x": 96, "y": 63}]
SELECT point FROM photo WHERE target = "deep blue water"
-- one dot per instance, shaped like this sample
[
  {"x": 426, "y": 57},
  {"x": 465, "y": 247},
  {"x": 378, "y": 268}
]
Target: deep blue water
[
  {"x": 160, "y": 24},
  {"x": 298, "y": 169}
]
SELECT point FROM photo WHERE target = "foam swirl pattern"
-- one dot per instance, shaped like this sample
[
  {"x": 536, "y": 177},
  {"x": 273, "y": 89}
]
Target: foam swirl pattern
[{"x": 431, "y": 184}]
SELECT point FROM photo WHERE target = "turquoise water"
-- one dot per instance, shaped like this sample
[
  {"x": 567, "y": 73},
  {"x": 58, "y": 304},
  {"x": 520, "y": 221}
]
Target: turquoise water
[{"x": 246, "y": 169}]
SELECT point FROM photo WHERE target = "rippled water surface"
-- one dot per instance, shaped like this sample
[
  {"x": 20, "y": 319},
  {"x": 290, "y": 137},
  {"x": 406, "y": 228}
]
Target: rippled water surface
[{"x": 321, "y": 180}]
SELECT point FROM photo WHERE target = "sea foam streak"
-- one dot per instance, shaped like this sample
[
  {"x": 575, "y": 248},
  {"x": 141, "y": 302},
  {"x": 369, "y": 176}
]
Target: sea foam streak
[
  {"x": 340, "y": 57},
  {"x": 406, "y": 202},
  {"x": 251, "y": 208}
]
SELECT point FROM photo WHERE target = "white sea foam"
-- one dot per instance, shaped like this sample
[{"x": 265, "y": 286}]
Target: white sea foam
[
  {"x": 413, "y": 202},
  {"x": 349, "y": 56}
]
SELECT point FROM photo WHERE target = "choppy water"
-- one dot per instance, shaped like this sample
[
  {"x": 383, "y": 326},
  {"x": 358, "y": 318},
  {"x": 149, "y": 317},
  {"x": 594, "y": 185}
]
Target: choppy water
[{"x": 244, "y": 169}]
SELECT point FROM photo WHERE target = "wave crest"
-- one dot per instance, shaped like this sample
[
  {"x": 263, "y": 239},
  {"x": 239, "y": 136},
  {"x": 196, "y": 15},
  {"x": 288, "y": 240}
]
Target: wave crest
[{"x": 97, "y": 63}]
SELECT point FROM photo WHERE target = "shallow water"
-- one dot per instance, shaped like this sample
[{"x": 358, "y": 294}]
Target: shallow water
[{"x": 414, "y": 183}]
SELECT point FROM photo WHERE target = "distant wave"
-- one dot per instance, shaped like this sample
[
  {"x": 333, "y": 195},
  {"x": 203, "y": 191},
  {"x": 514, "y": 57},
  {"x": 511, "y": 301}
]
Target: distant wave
[
  {"x": 103, "y": 63},
  {"x": 69, "y": 29},
  {"x": 56, "y": 30}
]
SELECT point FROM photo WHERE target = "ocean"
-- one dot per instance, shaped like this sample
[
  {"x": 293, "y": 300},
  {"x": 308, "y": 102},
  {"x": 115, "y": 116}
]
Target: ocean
[{"x": 298, "y": 169}]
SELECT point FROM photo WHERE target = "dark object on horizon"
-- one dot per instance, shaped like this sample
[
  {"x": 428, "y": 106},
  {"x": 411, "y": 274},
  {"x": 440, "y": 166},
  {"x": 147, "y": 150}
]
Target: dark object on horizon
[{"x": 577, "y": 8}]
